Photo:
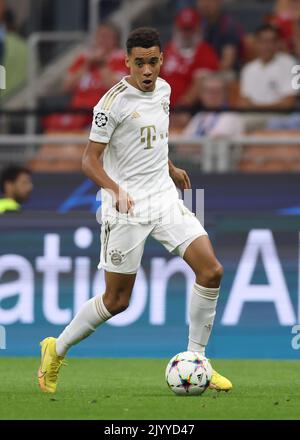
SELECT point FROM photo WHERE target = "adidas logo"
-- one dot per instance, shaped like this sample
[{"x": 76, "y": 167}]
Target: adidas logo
[{"x": 135, "y": 115}]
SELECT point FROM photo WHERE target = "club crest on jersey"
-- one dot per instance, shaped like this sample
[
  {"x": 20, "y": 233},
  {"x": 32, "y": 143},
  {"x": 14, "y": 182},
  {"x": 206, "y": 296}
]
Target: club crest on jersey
[
  {"x": 116, "y": 257},
  {"x": 101, "y": 119},
  {"x": 166, "y": 106}
]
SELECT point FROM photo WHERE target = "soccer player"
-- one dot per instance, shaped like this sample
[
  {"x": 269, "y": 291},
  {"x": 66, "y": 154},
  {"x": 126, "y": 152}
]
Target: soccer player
[{"x": 139, "y": 199}]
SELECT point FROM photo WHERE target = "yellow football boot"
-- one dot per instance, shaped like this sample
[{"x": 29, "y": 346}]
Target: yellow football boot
[
  {"x": 50, "y": 366},
  {"x": 219, "y": 383}
]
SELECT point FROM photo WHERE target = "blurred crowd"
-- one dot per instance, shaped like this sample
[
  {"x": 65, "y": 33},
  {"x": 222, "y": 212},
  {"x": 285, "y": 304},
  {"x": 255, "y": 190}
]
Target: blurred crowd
[
  {"x": 212, "y": 65},
  {"x": 13, "y": 50},
  {"x": 225, "y": 81},
  {"x": 90, "y": 75}
]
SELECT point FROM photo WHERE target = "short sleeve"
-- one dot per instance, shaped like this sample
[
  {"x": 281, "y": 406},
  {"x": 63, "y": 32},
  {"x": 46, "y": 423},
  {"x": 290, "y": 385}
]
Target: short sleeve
[{"x": 103, "y": 126}]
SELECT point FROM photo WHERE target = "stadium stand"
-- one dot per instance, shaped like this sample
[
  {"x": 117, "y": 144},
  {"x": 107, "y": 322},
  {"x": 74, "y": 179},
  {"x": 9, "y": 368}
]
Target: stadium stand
[
  {"x": 271, "y": 158},
  {"x": 54, "y": 59}
]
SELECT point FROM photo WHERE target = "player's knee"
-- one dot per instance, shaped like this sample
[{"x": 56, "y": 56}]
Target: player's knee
[
  {"x": 117, "y": 300},
  {"x": 212, "y": 276},
  {"x": 119, "y": 306},
  {"x": 123, "y": 304},
  {"x": 216, "y": 274}
]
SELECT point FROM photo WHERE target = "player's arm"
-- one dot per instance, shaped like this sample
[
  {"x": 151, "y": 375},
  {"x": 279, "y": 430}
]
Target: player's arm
[
  {"x": 179, "y": 177},
  {"x": 94, "y": 170}
]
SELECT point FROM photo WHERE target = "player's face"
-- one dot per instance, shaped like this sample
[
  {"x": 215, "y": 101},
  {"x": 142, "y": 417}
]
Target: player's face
[
  {"x": 22, "y": 187},
  {"x": 144, "y": 65}
]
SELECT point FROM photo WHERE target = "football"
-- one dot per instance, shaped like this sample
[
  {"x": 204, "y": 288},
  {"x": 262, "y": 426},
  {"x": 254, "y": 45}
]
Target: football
[{"x": 188, "y": 373}]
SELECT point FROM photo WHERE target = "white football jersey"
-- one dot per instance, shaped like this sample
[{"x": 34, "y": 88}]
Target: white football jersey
[{"x": 134, "y": 125}]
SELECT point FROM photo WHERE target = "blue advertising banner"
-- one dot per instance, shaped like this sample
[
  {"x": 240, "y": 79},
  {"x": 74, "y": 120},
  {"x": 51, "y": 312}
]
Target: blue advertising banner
[
  {"x": 223, "y": 192},
  {"x": 48, "y": 270}
]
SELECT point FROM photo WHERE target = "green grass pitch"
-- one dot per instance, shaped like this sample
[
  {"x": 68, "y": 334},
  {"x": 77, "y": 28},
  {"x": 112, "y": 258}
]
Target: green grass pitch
[{"x": 135, "y": 389}]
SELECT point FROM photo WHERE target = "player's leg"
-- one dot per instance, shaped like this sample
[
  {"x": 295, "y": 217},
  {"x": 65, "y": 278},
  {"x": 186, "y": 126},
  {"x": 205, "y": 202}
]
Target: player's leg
[
  {"x": 190, "y": 241},
  {"x": 97, "y": 310},
  {"x": 200, "y": 256},
  {"x": 121, "y": 254},
  {"x": 93, "y": 313},
  {"x": 187, "y": 238}
]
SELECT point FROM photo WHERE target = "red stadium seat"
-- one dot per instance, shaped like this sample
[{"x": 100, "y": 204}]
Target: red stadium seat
[{"x": 58, "y": 158}]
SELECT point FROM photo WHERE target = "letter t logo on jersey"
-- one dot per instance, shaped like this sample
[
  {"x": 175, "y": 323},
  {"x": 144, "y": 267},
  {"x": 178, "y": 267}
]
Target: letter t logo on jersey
[{"x": 148, "y": 138}]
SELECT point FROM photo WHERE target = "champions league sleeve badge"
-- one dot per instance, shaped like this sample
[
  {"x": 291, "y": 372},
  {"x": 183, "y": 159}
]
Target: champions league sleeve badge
[{"x": 101, "y": 120}]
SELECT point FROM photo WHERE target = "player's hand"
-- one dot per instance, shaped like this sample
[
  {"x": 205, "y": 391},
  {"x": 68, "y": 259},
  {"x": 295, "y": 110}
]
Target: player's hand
[
  {"x": 124, "y": 203},
  {"x": 180, "y": 178}
]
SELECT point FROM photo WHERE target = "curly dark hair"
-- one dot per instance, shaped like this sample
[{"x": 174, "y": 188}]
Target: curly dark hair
[
  {"x": 11, "y": 173},
  {"x": 143, "y": 37}
]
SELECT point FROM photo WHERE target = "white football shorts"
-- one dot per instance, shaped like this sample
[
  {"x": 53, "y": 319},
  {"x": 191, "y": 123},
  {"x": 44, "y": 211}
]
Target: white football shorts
[{"x": 122, "y": 244}]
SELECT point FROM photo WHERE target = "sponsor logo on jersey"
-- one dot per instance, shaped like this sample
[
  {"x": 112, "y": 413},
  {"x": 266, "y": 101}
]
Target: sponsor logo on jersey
[{"x": 148, "y": 135}]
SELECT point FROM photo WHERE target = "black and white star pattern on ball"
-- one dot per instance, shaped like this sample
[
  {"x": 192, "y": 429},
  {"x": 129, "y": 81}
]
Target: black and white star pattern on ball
[{"x": 101, "y": 119}]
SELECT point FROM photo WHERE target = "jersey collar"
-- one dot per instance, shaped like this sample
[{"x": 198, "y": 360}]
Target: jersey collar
[{"x": 137, "y": 91}]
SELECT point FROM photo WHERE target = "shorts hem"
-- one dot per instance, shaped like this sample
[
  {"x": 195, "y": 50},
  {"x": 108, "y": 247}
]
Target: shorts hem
[
  {"x": 182, "y": 247},
  {"x": 115, "y": 270}
]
